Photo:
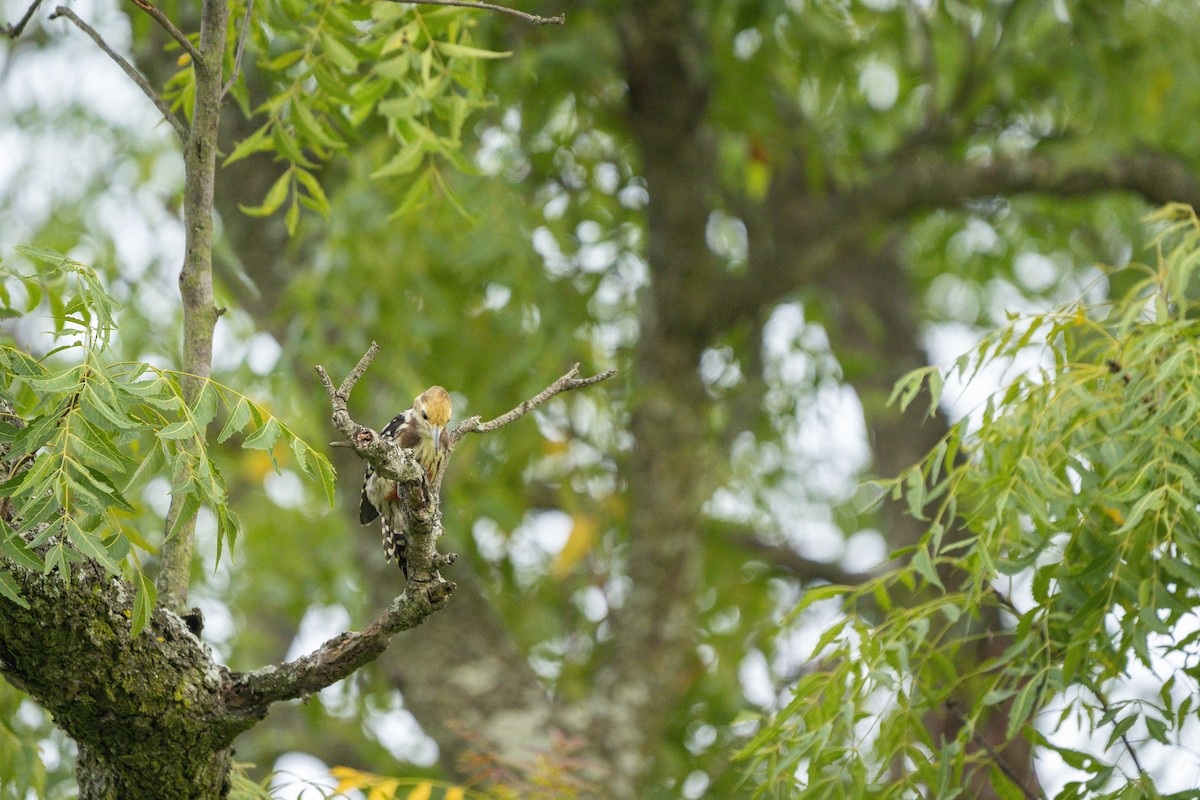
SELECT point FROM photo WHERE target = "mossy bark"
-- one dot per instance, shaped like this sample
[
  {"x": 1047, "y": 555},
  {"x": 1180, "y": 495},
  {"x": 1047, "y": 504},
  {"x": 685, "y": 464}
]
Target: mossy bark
[{"x": 148, "y": 713}]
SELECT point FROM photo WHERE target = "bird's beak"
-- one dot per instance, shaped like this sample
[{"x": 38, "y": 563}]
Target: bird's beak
[{"x": 437, "y": 439}]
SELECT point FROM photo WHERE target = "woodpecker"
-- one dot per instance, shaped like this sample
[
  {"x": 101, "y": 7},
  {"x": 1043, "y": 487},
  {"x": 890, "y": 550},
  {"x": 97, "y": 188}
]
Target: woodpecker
[{"x": 421, "y": 429}]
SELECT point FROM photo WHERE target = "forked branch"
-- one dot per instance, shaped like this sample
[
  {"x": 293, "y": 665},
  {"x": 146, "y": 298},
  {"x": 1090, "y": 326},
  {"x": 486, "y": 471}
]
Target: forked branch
[
  {"x": 13, "y": 31},
  {"x": 423, "y": 513},
  {"x": 162, "y": 19}
]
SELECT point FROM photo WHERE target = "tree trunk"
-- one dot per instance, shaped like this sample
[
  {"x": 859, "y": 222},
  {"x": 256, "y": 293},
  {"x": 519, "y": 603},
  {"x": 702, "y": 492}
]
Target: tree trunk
[{"x": 148, "y": 713}]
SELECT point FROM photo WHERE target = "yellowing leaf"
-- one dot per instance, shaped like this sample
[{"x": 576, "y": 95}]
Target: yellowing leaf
[
  {"x": 454, "y": 793},
  {"x": 385, "y": 789},
  {"x": 758, "y": 179},
  {"x": 421, "y": 791},
  {"x": 351, "y": 778},
  {"x": 579, "y": 544},
  {"x": 1113, "y": 514}
]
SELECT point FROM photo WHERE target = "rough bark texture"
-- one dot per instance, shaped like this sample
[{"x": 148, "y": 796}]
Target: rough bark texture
[
  {"x": 147, "y": 713},
  {"x": 154, "y": 716}
]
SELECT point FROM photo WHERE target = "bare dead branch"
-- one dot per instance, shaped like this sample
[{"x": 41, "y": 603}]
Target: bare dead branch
[
  {"x": 532, "y": 19},
  {"x": 135, "y": 76},
  {"x": 13, "y": 31},
  {"x": 162, "y": 19},
  {"x": 564, "y": 384},
  {"x": 250, "y": 693},
  {"x": 422, "y": 507},
  {"x": 241, "y": 48},
  {"x": 384, "y": 455}
]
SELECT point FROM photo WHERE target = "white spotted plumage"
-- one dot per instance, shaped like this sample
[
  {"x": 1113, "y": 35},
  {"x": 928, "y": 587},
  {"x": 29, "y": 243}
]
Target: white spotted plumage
[{"x": 421, "y": 429}]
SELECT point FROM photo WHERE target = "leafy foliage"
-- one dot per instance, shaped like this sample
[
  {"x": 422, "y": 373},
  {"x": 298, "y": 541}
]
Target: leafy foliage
[
  {"x": 86, "y": 434},
  {"x": 380, "y": 787},
  {"x": 336, "y": 65},
  {"x": 1069, "y": 510}
]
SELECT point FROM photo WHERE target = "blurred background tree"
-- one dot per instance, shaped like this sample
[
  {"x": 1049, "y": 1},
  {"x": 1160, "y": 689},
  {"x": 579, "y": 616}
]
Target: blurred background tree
[{"x": 763, "y": 211}]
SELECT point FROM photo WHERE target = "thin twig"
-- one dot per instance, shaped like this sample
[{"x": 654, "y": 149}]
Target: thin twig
[
  {"x": 13, "y": 31},
  {"x": 533, "y": 19},
  {"x": 564, "y": 384},
  {"x": 135, "y": 76},
  {"x": 241, "y": 47},
  {"x": 997, "y": 759},
  {"x": 1124, "y": 739},
  {"x": 165, "y": 21}
]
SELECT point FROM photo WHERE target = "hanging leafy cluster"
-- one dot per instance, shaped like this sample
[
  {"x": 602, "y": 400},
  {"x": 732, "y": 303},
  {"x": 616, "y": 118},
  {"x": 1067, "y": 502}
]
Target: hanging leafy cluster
[
  {"x": 336, "y": 66},
  {"x": 81, "y": 435},
  {"x": 1071, "y": 511}
]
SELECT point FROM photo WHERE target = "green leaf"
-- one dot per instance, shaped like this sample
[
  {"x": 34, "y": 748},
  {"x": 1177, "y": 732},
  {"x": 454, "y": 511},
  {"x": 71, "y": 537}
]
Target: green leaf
[
  {"x": 256, "y": 142},
  {"x": 328, "y": 477},
  {"x": 300, "y": 450},
  {"x": 9, "y": 588},
  {"x": 417, "y": 195},
  {"x": 105, "y": 484},
  {"x": 89, "y": 545},
  {"x": 143, "y": 604},
  {"x": 285, "y": 60},
  {"x": 45, "y": 254},
  {"x": 183, "y": 429},
  {"x": 312, "y": 130},
  {"x": 404, "y": 162},
  {"x": 237, "y": 420},
  {"x": 14, "y": 548},
  {"x": 1022, "y": 707},
  {"x": 313, "y": 186},
  {"x": 57, "y": 382},
  {"x": 1157, "y": 729},
  {"x": 292, "y": 218},
  {"x": 151, "y": 465},
  {"x": 205, "y": 407},
  {"x": 188, "y": 509},
  {"x": 95, "y": 449},
  {"x": 1121, "y": 728},
  {"x": 228, "y": 526},
  {"x": 339, "y": 53},
  {"x": 274, "y": 199},
  {"x": 264, "y": 438},
  {"x": 102, "y": 407},
  {"x": 466, "y": 51}
]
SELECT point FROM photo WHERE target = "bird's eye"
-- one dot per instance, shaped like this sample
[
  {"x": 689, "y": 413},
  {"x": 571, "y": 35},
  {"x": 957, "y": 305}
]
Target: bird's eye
[{"x": 425, "y": 415}]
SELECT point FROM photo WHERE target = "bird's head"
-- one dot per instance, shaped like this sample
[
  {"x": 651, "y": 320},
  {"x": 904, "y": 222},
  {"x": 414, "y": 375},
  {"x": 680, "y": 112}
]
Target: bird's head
[{"x": 432, "y": 407}]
